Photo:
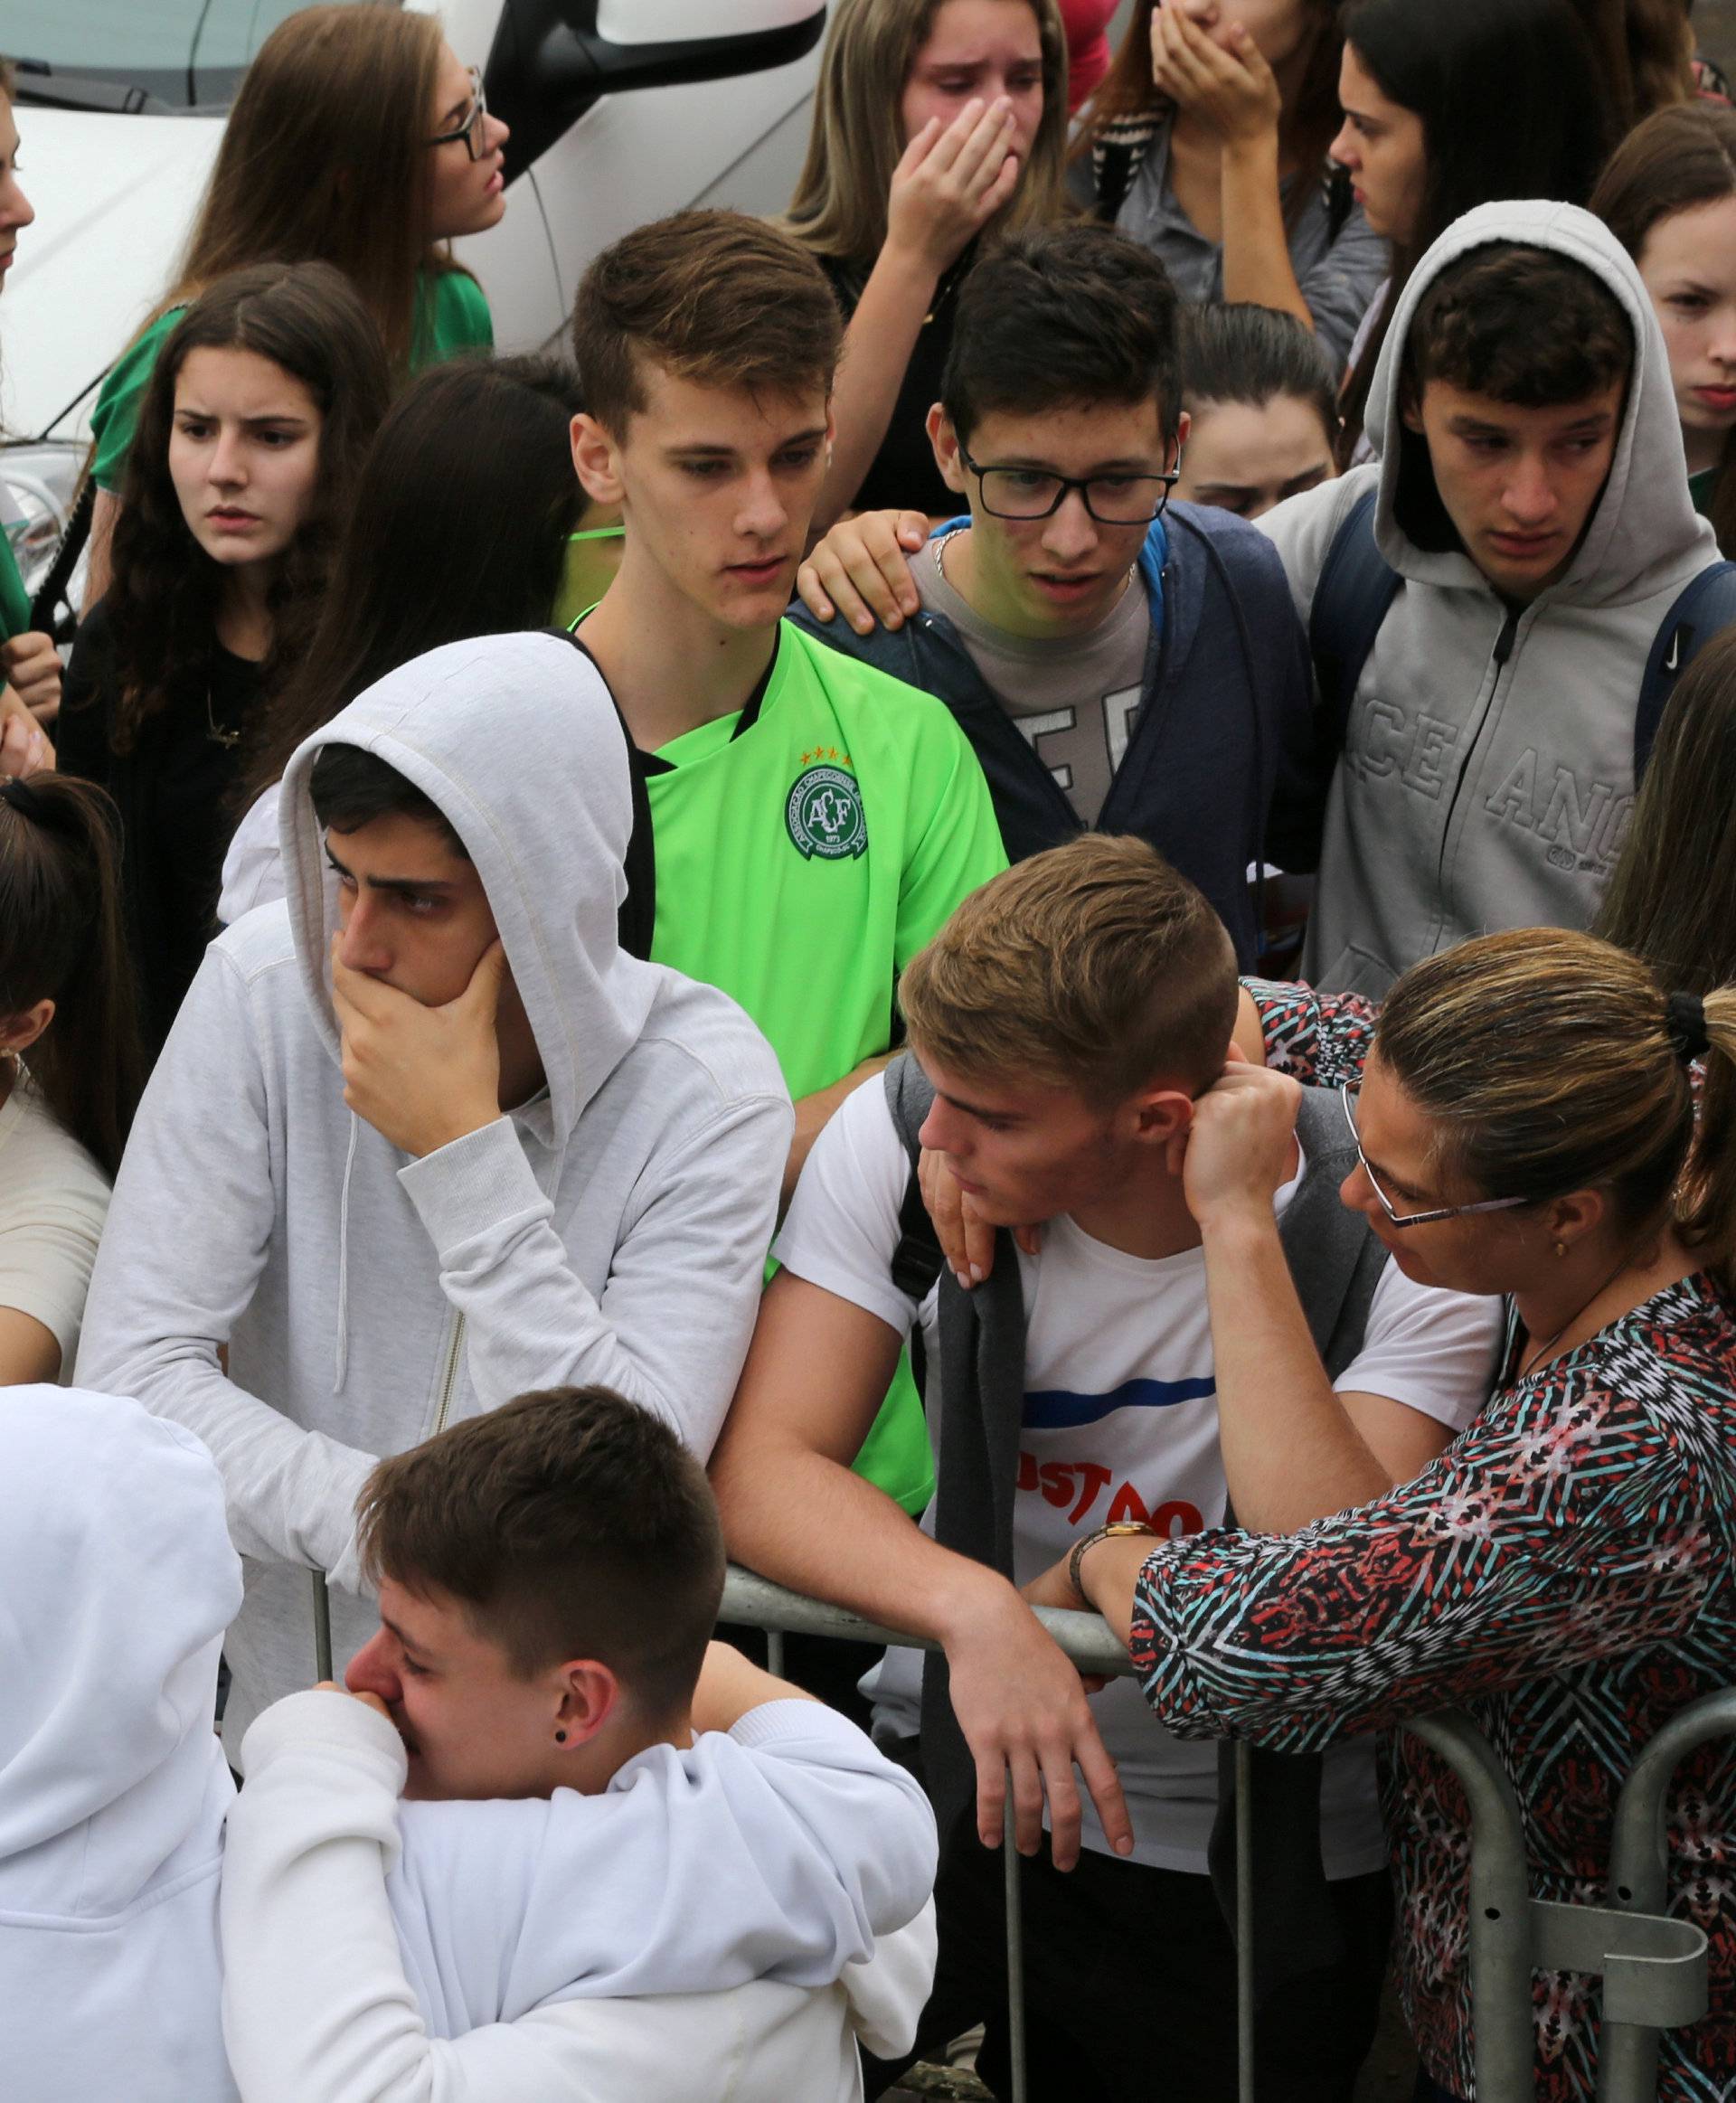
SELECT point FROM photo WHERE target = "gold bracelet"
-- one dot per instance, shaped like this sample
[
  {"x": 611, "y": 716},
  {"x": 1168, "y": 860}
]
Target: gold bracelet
[{"x": 1109, "y": 1532}]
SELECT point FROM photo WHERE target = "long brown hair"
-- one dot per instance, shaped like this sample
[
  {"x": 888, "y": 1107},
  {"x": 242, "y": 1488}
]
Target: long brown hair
[
  {"x": 1676, "y": 160},
  {"x": 63, "y": 939},
  {"x": 457, "y": 528},
  {"x": 322, "y": 160},
  {"x": 1551, "y": 1061},
  {"x": 1643, "y": 50},
  {"x": 839, "y": 208},
  {"x": 1672, "y": 896},
  {"x": 1306, "y": 129},
  {"x": 161, "y": 605}
]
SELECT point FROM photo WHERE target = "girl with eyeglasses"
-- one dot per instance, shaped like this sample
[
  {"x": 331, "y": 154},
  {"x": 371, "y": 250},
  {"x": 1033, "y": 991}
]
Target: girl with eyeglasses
[
  {"x": 249, "y": 437},
  {"x": 1566, "y": 1571},
  {"x": 356, "y": 138}
]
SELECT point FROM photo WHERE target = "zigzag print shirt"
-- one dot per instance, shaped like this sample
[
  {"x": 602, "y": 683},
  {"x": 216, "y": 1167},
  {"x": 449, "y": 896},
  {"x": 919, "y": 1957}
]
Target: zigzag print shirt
[{"x": 1564, "y": 1573}]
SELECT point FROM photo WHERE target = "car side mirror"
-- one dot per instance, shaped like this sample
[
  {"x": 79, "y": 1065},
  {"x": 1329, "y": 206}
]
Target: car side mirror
[{"x": 606, "y": 47}]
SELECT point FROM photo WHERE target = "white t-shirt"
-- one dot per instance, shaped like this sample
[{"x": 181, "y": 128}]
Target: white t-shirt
[
  {"x": 54, "y": 1200},
  {"x": 1121, "y": 1422}
]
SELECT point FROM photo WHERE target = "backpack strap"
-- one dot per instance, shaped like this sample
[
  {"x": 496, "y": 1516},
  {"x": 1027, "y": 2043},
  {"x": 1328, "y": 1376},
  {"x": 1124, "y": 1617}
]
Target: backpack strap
[
  {"x": 917, "y": 1261},
  {"x": 1707, "y": 604},
  {"x": 1356, "y": 587}
]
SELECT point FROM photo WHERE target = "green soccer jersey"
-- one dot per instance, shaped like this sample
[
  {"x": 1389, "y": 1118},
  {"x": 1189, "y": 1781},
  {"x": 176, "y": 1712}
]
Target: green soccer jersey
[
  {"x": 451, "y": 316},
  {"x": 806, "y": 850}
]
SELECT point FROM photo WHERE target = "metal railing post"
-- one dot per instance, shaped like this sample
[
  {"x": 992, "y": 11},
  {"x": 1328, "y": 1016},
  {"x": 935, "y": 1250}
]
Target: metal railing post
[
  {"x": 1639, "y": 1879},
  {"x": 1244, "y": 1923},
  {"x": 1500, "y": 1902},
  {"x": 322, "y": 1627},
  {"x": 1014, "y": 1954}
]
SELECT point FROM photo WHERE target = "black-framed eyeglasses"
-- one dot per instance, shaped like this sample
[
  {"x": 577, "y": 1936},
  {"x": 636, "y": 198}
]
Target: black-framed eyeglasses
[
  {"x": 1030, "y": 493},
  {"x": 471, "y": 125},
  {"x": 1399, "y": 1219}
]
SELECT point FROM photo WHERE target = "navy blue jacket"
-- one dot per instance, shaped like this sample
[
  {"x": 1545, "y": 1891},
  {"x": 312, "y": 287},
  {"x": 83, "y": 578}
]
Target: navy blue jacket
[{"x": 1222, "y": 769}]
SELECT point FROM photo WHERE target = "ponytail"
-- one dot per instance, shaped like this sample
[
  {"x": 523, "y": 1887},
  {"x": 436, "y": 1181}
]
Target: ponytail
[
  {"x": 1706, "y": 1211},
  {"x": 62, "y": 940}
]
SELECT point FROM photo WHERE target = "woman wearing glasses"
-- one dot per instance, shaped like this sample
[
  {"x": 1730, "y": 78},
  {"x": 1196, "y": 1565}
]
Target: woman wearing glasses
[
  {"x": 1526, "y": 1125},
  {"x": 356, "y": 138}
]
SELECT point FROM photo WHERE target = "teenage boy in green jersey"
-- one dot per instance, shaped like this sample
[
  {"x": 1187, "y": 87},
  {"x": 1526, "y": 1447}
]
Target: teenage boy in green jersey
[{"x": 815, "y": 820}]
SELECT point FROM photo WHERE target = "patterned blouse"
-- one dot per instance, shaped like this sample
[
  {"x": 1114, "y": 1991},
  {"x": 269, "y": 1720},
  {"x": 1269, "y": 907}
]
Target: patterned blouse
[{"x": 1564, "y": 1572}]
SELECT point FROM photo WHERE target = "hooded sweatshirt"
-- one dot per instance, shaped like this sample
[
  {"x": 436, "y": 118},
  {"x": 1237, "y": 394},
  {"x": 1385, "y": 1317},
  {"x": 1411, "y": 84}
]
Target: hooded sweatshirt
[
  {"x": 610, "y": 1230},
  {"x": 117, "y": 1580},
  {"x": 1488, "y": 769},
  {"x": 769, "y": 1885}
]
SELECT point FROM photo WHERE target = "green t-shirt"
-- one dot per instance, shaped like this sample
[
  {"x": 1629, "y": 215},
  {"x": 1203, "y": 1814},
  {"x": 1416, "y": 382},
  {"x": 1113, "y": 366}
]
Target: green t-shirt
[
  {"x": 451, "y": 316},
  {"x": 1700, "y": 490},
  {"x": 805, "y": 852}
]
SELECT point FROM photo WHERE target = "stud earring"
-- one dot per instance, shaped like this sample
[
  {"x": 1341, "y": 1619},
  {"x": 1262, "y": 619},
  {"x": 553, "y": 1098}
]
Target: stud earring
[
  {"x": 559, "y": 1738},
  {"x": 1560, "y": 1249}
]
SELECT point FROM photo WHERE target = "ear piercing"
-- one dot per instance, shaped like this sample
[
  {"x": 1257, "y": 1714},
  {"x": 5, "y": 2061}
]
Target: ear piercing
[{"x": 559, "y": 1738}]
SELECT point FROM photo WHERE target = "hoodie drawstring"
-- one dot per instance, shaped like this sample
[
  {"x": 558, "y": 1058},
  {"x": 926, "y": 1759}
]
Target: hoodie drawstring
[{"x": 343, "y": 1356}]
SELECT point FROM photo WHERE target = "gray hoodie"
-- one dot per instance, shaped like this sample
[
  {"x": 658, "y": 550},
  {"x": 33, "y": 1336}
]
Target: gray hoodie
[
  {"x": 1488, "y": 772},
  {"x": 613, "y": 1229}
]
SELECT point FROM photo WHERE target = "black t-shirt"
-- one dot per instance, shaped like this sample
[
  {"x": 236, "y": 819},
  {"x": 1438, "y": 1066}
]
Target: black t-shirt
[
  {"x": 903, "y": 475},
  {"x": 173, "y": 792}
]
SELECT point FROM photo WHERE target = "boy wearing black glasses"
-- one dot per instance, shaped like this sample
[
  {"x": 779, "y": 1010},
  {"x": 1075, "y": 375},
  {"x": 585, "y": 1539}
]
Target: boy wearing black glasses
[{"x": 1116, "y": 662}]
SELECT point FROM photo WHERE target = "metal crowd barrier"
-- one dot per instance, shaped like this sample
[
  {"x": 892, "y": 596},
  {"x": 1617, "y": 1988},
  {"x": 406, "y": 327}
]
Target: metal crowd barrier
[{"x": 1653, "y": 1966}]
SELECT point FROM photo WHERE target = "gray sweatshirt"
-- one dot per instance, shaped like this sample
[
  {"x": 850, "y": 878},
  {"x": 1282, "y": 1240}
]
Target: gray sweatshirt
[
  {"x": 1488, "y": 771},
  {"x": 613, "y": 1229}
]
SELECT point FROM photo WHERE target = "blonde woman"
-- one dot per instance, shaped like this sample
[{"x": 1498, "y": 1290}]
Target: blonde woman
[
  {"x": 936, "y": 121},
  {"x": 357, "y": 138}
]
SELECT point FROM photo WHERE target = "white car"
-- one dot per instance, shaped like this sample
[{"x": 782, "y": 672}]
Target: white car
[{"x": 621, "y": 110}]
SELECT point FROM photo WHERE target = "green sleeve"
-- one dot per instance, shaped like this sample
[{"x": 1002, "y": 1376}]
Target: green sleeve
[
  {"x": 15, "y": 600},
  {"x": 452, "y": 316},
  {"x": 116, "y": 415},
  {"x": 959, "y": 847}
]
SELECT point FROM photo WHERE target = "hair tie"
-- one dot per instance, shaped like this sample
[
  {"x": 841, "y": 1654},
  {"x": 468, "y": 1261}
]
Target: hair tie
[
  {"x": 16, "y": 791},
  {"x": 1684, "y": 1024}
]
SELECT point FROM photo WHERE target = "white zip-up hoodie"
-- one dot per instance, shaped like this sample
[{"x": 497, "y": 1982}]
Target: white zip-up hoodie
[
  {"x": 611, "y": 1230},
  {"x": 117, "y": 1580},
  {"x": 722, "y": 1921},
  {"x": 1488, "y": 769}
]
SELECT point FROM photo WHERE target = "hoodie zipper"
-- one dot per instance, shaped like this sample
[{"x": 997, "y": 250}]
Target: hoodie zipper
[
  {"x": 1498, "y": 658},
  {"x": 449, "y": 1377}
]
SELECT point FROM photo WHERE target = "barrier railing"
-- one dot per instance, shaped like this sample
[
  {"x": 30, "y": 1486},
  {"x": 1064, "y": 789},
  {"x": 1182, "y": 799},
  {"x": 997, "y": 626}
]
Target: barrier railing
[{"x": 1654, "y": 1967}]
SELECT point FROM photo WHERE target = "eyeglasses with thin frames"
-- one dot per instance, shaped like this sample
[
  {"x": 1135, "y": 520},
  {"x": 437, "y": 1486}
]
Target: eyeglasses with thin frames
[
  {"x": 471, "y": 125},
  {"x": 1398, "y": 1219},
  {"x": 1034, "y": 493}
]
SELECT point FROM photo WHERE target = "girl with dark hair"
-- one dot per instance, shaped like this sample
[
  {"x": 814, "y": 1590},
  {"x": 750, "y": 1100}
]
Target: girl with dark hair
[
  {"x": 253, "y": 430},
  {"x": 1208, "y": 143},
  {"x": 460, "y": 526},
  {"x": 1669, "y": 197},
  {"x": 1450, "y": 107},
  {"x": 69, "y": 1068},
  {"x": 936, "y": 124},
  {"x": 1262, "y": 418},
  {"x": 358, "y": 138}
]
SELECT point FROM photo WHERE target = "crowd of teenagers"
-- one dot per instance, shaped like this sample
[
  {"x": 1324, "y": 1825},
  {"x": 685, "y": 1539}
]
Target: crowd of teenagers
[{"x": 1021, "y": 896}]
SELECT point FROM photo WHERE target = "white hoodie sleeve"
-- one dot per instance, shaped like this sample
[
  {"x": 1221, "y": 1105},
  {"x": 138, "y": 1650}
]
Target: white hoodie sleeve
[
  {"x": 316, "y": 2008},
  {"x": 676, "y": 1316},
  {"x": 188, "y": 1231}
]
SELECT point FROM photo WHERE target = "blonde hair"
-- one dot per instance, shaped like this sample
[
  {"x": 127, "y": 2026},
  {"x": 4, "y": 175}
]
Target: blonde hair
[
  {"x": 839, "y": 208},
  {"x": 324, "y": 159},
  {"x": 1093, "y": 967},
  {"x": 1551, "y": 1062}
]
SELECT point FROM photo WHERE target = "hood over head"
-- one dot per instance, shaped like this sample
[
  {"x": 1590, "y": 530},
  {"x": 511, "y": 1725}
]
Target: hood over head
[
  {"x": 516, "y": 741},
  {"x": 116, "y": 1584},
  {"x": 1644, "y": 520}
]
